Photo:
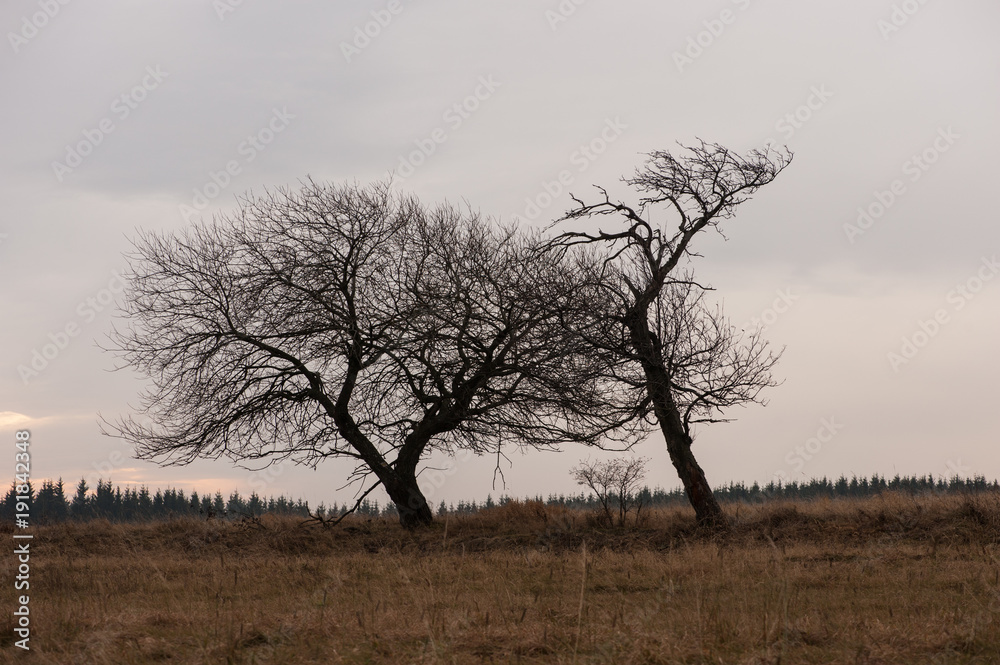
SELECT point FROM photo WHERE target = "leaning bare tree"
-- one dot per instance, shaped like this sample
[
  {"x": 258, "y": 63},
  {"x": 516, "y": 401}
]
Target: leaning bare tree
[
  {"x": 351, "y": 322},
  {"x": 686, "y": 361}
]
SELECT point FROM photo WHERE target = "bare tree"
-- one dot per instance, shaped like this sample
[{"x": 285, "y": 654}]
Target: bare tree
[
  {"x": 353, "y": 322},
  {"x": 613, "y": 480},
  {"x": 684, "y": 363}
]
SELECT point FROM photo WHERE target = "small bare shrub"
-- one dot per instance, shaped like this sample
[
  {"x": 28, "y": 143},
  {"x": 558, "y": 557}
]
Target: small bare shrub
[{"x": 614, "y": 482}]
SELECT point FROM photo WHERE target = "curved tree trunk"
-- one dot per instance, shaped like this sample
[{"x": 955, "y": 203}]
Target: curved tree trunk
[
  {"x": 400, "y": 482},
  {"x": 410, "y": 502},
  {"x": 707, "y": 510}
]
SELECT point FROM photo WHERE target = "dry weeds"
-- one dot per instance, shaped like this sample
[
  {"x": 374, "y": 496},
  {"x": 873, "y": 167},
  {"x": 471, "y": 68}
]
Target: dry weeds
[{"x": 887, "y": 580}]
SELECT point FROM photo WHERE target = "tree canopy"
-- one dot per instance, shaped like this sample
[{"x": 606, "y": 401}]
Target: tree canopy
[
  {"x": 352, "y": 321},
  {"x": 681, "y": 360}
]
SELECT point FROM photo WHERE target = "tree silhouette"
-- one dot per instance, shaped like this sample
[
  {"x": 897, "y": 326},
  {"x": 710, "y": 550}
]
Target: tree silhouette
[
  {"x": 347, "y": 321},
  {"x": 681, "y": 361}
]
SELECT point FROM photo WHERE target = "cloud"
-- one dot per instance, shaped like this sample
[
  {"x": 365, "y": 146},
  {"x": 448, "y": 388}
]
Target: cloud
[{"x": 11, "y": 419}]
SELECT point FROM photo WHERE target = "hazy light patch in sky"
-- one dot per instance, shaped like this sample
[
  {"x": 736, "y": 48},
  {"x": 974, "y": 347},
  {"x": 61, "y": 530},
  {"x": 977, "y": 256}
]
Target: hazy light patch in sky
[{"x": 9, "y": 419}]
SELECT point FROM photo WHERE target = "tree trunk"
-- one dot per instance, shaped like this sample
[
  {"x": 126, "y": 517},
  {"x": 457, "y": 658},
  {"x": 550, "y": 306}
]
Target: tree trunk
[
  {"x": 400, "y": 482},
  {"x": 410, "y": 502},
  {"x": 707, "y": 510}
]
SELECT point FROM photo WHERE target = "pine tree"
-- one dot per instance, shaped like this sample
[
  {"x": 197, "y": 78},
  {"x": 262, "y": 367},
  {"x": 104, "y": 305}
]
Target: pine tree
[
  {"x": 145, "y": 507},
  {"x": 104, "y": 500},
  {"x": 81, "y": 507},
  {"x": 254, "y": 505},
  {"x": 10, "y": 503},
  {"x": 219, "y": 505},
  {"x": 40, "y": 511},
  {"x": 118, "y": 507},
  {"x": 235, "y": 507},
  {"x": 60, "y": 506}
]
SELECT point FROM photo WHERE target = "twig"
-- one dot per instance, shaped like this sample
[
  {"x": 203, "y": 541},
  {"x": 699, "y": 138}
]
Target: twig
[{"x": 325, "y": 522}]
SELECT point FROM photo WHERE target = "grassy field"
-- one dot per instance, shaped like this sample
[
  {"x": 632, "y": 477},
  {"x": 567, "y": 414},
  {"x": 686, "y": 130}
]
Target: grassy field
[{"x": 887, "y": 580}]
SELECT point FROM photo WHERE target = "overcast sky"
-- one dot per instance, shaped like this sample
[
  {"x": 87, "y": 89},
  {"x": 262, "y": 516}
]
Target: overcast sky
[{"x": 882, "y": 237}]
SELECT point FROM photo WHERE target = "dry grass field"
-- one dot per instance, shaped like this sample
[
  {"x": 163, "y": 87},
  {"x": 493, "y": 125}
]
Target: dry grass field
[{"x": 886, "y": 580}]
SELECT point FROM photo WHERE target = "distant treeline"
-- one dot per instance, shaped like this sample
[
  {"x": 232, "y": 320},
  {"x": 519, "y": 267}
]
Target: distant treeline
[
  {"x": 51, "y": 504},
  {"x": 816, "y": 488}
]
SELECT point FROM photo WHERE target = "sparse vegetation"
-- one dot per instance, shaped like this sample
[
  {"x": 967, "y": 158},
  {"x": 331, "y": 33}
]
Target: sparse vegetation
[
  {"x": 889, "y": 579},
  {"x": 614, "y": 482},
  {"x": 132, "y": 504}
]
